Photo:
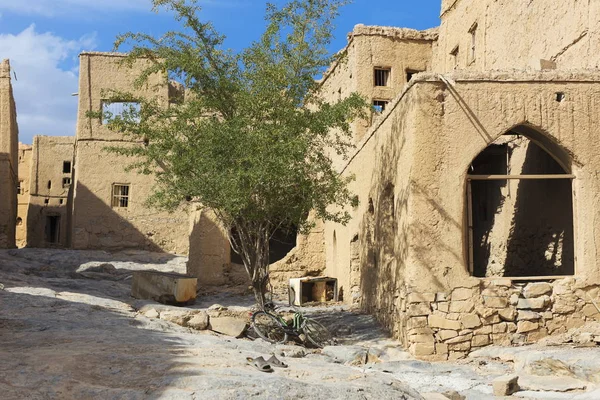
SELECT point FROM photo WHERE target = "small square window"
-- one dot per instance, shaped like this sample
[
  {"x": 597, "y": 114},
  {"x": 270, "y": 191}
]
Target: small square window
[
  {"x": 382, "y": 76},
  {"x": 410, "y": 73},
  {"x": 120, "y": 109},
  {"x": 66, "y": 182},
  {"x": 61, "y": 201},
  {"x": 380, "y": 105},
  {"x": 46, "y": 201},
  {"x": 120, "y": 195},
  {"x": 66, "y": 167}
]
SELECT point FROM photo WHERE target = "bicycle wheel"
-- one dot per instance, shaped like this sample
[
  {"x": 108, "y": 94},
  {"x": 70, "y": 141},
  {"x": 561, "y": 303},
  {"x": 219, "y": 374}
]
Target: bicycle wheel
[
  {"x": 316, "y": 333},
  {"x": 268, "y": 327}
]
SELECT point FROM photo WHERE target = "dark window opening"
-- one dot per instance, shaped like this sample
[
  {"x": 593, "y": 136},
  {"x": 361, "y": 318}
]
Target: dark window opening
[
  {"x": 410, "y": 73},
  {"x": 46, "y": 201},
  {"x": 520, "y": 211},
  {"x": 379, "y": 105},
  {"x": 281, "y": 243},
  {"x": 560, "y": 96},
  {"x": 120, "y": 195},
  {"x": 454, "y": 53},
  {"x": 52, "y": 229},
  {"x": 382, "y": 76},
  {"x": 20, "y": 188},
  {"x": 66, "y": 167},
  {"x": 49, "y": 184},
  {"x": 19, "y": 221},
  {"x": 66, "y": 182},
  {"x": 60, "y": 201}
]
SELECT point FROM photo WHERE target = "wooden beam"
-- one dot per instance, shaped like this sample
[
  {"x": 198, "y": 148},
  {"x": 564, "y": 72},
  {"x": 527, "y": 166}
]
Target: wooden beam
[{"x": 507, "y": 177}]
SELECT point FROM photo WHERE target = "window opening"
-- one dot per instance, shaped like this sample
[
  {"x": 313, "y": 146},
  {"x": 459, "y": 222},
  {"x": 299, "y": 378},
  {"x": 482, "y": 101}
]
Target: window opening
[
  {"x": 382, "y": 76},
  {"x": 52, "y": 229},
  {"x": 410, "y": 73},
  {"x": 66, "y": 182},
  {"x": 20, "y": 188},
  {"x": 46, "y": 201},
  {"x": 127, "y": 110},
  {"x": 120, "y": 195},
  {"x": 379, "y": 105},
  {"x": 454, "y": 53},
  {"x": 49, "y": 184},
  {"x": 61, "y": 201},
  {"x": 473, "y": 32},
  {"x": 66, "y": 167},
  {"x": 520, "y": 211}
]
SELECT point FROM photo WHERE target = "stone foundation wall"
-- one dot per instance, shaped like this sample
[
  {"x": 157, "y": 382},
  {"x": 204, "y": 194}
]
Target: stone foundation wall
[{"x": 447, "y": 326}]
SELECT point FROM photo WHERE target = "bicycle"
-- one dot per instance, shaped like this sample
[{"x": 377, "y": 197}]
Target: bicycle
[{"x": 273, "y": 328}]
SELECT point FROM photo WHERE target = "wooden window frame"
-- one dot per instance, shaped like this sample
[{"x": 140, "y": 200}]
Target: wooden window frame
[
  {"x": 116, "y": 199},
  {"x": 471, "y": 258}
]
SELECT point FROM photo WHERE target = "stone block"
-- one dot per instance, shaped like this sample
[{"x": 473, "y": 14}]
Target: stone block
[
  {"x": 465, "y": 306},
  {"x": 436, "y": 321},
  {"x": 434, "y": 396},
  {"x": 421, "y": 339},
  {"x": 505, "y": 385},
  {"x": 526, "y": 326},
  {"x": 420, "y": 331},
  {"x": 590, "y": 311},
  {"x": 495, "y": 302},
  {"x": 563, "y": 306},
  {"x": 480, "y": 340},
  {"x": 420, "y": 298},
  {"x": 199, "y": 321},
  {"x": 422, "y": 349},
  {"x": 535, "y": 336},
  {"x": 505, "y": 282},
  {"x": 537, "y": 289},
  {"x": 229, "y": 326},
  {"x": 484, "y": 330},
  {"x": 471, "y": 321},
  {"x": 444, "y": 306},
  {"x": 538, "y": 303},
  {"x": 513, "y": 299},
  {"x": 501, "y": 339},
  {"x": 419, "y": 309},
  {"x": 499, "y": 328},
  {"x": 441, "y": 297},
  {"x": 574, "y": 321},
  {"x": 179, "y": 317},
  {"x": 493, "y": 319},
  {"x": 446, "y": 334},
  {"x": 525, "y": 315},
  {"x": 166, "y": 288},
  {"x": 511, "y": 327},
  {"x": 460, "y": 339},
  {"x": 459, "y": 294},
  {"x": 507, "y": 314},
  {"x": 441, "y": 348},
  {"x": 417, "y": 322}
]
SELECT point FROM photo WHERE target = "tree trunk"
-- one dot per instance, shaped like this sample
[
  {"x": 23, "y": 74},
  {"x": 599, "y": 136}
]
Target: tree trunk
[{"x": 251, "y": 242}]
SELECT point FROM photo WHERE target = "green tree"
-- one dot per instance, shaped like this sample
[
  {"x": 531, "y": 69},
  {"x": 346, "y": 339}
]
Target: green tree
[{"x": 251, "y": 139}]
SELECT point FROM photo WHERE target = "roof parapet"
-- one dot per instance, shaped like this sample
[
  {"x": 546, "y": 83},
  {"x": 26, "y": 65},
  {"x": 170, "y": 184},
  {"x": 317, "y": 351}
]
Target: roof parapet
[{"x": 394, "y": 32}]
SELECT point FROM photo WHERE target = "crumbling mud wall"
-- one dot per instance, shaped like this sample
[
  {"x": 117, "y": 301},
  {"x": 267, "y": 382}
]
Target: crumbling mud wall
[
  {"x": 100, "y": 219},
  {"x": 412, "y": 225},
  {"x": 9, "y": 142},
  {"x": 48, "y": 216},
  {"x": 25, "y": 152},
  {"x": 513, "y": 34}
]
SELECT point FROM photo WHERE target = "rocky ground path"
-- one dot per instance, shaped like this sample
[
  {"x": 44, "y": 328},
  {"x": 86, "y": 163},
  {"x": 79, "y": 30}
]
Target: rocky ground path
[{"x": 70, "y": 330}]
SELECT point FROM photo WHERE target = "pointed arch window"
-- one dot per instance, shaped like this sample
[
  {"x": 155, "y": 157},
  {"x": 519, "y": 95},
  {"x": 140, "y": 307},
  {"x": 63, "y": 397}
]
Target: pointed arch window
[{"x": 520, "y": 210}]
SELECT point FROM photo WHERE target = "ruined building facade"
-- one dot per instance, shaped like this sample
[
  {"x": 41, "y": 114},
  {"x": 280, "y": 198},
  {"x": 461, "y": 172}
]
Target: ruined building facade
[
  {"x": 108, "y": 201},
  {"x": 25, "y": 152},
  {"x": 9, "y": 143},
  {"x": 477, "y": 180}
]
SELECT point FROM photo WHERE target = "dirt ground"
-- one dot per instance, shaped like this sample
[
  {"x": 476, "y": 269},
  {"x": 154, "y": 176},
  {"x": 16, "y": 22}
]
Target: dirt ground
[{"x": 68, "y": 331}]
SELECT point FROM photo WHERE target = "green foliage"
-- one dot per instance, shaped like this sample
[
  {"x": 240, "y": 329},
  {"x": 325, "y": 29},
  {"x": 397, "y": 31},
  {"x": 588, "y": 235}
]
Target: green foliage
[{"x": 251, "y": 138}]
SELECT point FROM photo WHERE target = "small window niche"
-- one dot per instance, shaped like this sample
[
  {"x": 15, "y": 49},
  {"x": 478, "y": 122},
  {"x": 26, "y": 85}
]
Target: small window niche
[
  {"x": 410, "y": 73},
  {"x": 379, "y": 106},
  {"x": 454, "y": 54},
  {"x": 66, "y": 167},
  {"x": 124, "y": 110},
  {"x": 473, "y": 33},
  {"x": 120, "y": 195},
  {"x": 382, "y": 76},
  {"x": 66, "y": 182}
]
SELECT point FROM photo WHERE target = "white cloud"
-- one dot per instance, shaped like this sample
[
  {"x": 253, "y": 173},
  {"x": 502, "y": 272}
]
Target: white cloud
[{"x": 43, "y": 86}]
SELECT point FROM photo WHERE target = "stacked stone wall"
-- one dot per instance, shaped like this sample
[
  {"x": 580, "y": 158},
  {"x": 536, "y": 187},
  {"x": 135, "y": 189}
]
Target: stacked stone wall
[{"x": 447, "y": 326}]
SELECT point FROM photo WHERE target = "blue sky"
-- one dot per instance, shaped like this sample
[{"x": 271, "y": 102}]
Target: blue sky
[{"x": 42, "y": 38}]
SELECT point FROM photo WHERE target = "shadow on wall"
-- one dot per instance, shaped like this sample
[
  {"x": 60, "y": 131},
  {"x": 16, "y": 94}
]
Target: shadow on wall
[
  {"x": 8, "y": 203},
  {"x": 382, "y": 234},
  {"x": 47, "y": 226},
  {"x": 96, "y": 225},
  {"x": 541, "y": 240}
]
